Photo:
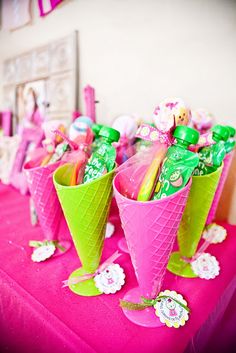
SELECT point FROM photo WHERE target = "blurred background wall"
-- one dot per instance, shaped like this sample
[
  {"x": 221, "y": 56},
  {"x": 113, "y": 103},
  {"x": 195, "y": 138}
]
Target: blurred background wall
[{"x": 137, "y": 52}]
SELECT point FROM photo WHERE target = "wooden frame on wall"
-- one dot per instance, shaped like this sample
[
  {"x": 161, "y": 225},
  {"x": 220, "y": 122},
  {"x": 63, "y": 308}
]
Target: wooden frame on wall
[{"x": 56, "y": 64}]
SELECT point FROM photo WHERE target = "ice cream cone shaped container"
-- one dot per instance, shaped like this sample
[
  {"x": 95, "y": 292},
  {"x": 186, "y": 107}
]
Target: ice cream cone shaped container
[
  {"x": 193, "y": 222},
  {"x": 150, "y": 229},
  {"x": 227, "y": 163},
  {"x": 86, "y": 209},
  {"x": 43, "y": 193}
]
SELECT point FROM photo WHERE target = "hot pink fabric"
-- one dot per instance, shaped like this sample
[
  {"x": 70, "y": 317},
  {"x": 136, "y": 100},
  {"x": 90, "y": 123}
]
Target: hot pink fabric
[
  {"x": 45, "y": 198},
  {"x": 37, "y": 315}
]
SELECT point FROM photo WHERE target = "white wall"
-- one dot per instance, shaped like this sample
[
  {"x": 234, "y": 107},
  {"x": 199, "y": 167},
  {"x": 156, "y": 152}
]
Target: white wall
[{"x": 137, "y": 52}]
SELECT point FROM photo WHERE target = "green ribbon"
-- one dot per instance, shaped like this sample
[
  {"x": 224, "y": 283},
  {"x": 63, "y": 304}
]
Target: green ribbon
[
  {"x": 37, "y": 244},
  {"x": 149, "y": 302}
]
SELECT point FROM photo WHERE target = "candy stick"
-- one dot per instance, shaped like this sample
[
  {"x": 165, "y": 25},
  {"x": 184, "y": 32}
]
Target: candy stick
[
  {"x": 46, "y": 159},
  {"x": 150, "y": 177},
  {"x": 74, "y": 174}
]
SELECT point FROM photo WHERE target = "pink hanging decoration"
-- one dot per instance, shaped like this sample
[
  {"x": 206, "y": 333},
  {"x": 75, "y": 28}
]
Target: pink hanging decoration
[
  {"x": 15, "y": 14},
  {"x": 47, "y": 6}
]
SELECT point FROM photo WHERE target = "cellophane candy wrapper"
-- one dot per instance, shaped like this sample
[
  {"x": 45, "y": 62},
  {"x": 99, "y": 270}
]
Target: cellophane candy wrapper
[
  {"x": 127, "y": 127},
  {"x": 125, "y": 149},
  {"x": 139, "y": 165}
]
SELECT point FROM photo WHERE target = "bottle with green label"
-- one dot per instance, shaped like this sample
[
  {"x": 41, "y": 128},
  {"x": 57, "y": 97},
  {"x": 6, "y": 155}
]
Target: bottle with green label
[
  {"x": 211, "y": 157},
  {"x": 103, "y": 158},
  {"x": 178, "y": 164},
  {"x": 230, "y": 143}
]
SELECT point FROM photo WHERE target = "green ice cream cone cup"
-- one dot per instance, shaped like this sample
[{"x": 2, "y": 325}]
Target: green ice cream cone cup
[
  {"x": 86, "y": 209},
  {"x": 193, "y": 222}
]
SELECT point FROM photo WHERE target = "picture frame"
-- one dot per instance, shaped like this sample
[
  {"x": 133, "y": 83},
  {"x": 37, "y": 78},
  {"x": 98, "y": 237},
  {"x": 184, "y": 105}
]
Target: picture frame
[
  {"x": 30, "y": 140},
  {"x": 56, "y": 65},
  {"x": 8, "y": 148}
]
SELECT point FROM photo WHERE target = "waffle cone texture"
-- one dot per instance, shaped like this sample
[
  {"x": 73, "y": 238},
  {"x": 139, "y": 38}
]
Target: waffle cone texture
[
  {"x": 86, "y": 209},
  {"x": 220, "y": 187},
  {"x": 45, "y": 199},
  {"x": 150, "y": 229},
  {"x": 198, "y": 205}
]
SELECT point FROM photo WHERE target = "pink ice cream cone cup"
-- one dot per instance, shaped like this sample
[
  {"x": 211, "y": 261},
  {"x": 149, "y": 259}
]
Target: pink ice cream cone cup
[
  {"x": 220, "y": 187},
  {"x": 47, "y": 205},
  {"x": 150, "y": 229}
]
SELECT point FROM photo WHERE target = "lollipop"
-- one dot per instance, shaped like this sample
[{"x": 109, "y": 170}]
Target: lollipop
[
  {"x": 170, "y": 113},
  {"x": 126, "y": 125},
  {"x": 79, "y": 127},
  {"x": 202, "y": 120}
]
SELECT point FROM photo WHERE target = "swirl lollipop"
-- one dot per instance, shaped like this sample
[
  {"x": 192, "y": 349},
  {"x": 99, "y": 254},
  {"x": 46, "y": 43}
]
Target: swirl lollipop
[
  {"x": 202, "y": 120},
  {"x": 170, "y": 113}
]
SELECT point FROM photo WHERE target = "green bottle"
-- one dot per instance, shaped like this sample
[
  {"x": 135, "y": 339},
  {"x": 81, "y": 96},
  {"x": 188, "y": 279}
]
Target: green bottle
[
  {"x": 230, "y": 143},
  {"x": 103, "y": 158},
  {"x": 211, "y": 157},
  {"x": 96, "y": 128},
  {"x": 178, "y": 164}
]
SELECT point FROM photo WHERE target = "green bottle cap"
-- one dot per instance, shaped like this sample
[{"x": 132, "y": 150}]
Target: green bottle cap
[
  {"x": 110, "y": 133},
  {"x": 96, "y": 128},
  {"x": 186, "y": 134},
  {"x": 220, "y": 132},
  {"x": 232, "y": 131}
]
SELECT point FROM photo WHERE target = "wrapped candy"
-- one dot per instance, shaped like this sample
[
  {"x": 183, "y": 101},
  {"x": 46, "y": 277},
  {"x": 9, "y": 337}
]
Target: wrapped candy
[
  {"x": 202, "y": 120},
  {"x": 127, "y": 126},
  {"x": 170, "y": 113},
  {"x": 79, "y": 127}
]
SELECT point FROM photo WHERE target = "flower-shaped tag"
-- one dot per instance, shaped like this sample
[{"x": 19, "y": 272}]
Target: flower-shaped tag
[
  {"x": 43, "y": 252},
  {"x": 110, "y": 280},
  {"x": 110, "y": 228},
  {"x": 206, "y": 266},
  {"x": 170, "y": 308},
  {"x": 214, "y": 233}
]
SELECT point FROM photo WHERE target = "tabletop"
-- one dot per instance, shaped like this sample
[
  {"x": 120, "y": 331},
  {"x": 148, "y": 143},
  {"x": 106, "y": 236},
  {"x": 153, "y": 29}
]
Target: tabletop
[{"x": 38, "y": 315}]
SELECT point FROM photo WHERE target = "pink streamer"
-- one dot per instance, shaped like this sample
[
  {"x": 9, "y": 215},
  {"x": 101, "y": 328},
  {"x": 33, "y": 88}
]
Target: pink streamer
[
  {"x": 87, "y": 276},
  {"x": 155, "y": 135}
]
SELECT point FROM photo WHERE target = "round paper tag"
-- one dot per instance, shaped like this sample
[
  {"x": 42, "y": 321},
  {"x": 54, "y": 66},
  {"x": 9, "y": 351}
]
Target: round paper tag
[
  {"x": 206, "y": 266},
  {"x": 214, "y": 233},
  {"x": 43, "y": 252},
  {"x": 110, "y": 280},
  {"x": 169, "y": 311},
  {"x": 110, "y": 228}
]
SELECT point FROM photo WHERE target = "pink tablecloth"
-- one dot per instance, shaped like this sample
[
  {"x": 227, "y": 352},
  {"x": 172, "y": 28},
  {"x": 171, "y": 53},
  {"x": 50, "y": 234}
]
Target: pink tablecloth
[{"x": 37, "y": 315}]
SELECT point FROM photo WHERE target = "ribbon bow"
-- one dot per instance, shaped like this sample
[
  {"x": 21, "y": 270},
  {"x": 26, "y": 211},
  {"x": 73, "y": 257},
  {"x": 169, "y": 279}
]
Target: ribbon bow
[
  {"x": 145, "y": 303},
  {"x": 153, "y": 134},
  {"x": 37, "y": 244},
  {"x": 87, "y": 276}
]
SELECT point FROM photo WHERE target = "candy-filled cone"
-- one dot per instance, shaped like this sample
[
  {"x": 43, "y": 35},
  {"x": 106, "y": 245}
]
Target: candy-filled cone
[
  {"x": 223, "y": 177},
  {"x": 150, "y": 229},
  {"x": 45, "y": 199},
  {"x": 86, "y": 209},
  {"x": 194, "y": 218}
]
